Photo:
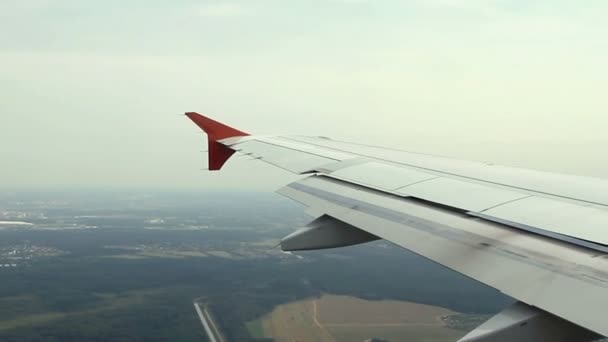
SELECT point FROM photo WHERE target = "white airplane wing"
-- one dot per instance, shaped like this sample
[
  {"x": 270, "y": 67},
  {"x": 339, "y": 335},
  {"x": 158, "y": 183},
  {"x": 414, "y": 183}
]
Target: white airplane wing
[{"x": 538, "y": 237}]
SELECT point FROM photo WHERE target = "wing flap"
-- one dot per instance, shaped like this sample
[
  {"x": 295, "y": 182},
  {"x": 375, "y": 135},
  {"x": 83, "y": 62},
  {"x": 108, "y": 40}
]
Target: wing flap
[
  {"x": 460, "y": 194},
  {"x": 381, "y": 176},
  {"x": 585, "y": 223}
]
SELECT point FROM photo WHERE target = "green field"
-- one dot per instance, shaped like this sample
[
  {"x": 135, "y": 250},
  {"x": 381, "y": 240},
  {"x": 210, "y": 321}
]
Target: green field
[{"x": 255, "y": 329}]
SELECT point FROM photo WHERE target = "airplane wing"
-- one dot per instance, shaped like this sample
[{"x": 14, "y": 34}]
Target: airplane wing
[{"x": 539, "y": 237}]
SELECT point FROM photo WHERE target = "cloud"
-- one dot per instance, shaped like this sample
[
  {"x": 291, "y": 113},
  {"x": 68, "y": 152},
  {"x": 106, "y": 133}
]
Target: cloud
[
  {"x": 479, "y": 7},
  {"x": 11, "y": 8},
  {"x": 350, "y": 1},
  {"x": 221, "y": 10}
]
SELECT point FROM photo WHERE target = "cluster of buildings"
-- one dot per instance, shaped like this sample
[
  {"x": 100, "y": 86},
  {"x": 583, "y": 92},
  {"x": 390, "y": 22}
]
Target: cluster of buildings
[{"x": 20, "y": 215}]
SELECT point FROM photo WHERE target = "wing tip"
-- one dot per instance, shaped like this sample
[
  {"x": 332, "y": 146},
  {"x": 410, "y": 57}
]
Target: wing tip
[
  {"x": 218, "y": 153},
  {"x": 214, "y": 129}
]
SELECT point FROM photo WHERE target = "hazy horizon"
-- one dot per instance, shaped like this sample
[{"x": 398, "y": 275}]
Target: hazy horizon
[{"x": 92, "y": 92}]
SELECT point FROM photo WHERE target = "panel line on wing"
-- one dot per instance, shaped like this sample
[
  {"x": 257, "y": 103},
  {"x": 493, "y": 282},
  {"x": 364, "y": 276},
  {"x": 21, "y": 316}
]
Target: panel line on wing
[{"x": 507, "y": 202}]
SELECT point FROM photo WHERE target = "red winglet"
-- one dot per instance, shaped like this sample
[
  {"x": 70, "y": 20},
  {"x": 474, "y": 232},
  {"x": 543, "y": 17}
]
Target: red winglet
[
  {"x": 215, "y": 130},
  {"x": 218, "y": 153}
]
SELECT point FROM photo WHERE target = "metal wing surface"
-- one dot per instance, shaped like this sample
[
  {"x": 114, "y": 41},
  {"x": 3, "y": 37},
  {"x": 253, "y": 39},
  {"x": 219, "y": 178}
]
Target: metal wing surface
[{"x": 538, "y": 237}]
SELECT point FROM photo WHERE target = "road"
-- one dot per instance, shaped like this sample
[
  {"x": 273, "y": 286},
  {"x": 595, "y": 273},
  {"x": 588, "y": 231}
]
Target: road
[
  {"x": 210, "y": 327},
  {"x": 315, "y": 318}
]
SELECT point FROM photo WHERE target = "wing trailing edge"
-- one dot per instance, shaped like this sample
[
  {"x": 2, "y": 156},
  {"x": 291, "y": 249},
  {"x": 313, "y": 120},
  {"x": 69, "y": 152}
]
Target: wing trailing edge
[{"x": 218, "y": 153}]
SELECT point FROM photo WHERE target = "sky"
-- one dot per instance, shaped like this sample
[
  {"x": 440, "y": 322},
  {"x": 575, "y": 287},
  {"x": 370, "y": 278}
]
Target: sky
[{"x": 91, "y": 92}]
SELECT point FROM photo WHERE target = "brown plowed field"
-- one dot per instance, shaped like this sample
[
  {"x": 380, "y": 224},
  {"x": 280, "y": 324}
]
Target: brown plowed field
[{"x": 342, "y": 318}]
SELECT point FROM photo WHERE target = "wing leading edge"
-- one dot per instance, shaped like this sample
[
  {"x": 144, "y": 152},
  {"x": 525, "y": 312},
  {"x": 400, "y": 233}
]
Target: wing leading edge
[{"x": 457, "y": 214}]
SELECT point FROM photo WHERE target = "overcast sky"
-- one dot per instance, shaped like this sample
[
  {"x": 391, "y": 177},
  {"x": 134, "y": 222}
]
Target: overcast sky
[{"x": 90, "y": 91}]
